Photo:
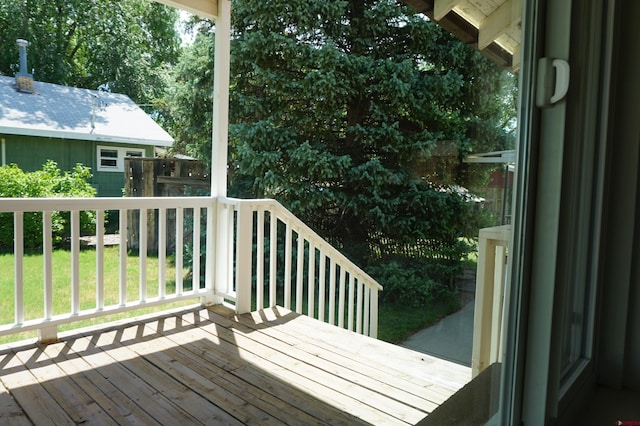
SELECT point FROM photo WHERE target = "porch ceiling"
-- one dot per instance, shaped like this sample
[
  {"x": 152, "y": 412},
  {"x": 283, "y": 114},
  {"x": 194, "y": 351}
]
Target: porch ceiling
[
  {"x": 491, "y": 26},
  {"x": 202, "y": 8}
]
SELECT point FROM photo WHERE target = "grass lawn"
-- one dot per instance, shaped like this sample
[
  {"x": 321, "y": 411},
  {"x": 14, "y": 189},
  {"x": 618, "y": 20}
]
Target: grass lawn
[
  {"x": 61, "y": 261},
  {"x": 396, "y": 322}
]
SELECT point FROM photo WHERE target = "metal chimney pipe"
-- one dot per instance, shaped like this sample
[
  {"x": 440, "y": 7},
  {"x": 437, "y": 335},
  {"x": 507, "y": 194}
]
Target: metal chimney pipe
[
  {"x": 22, "y": 46},
  {"x": 24, "y": 80}
]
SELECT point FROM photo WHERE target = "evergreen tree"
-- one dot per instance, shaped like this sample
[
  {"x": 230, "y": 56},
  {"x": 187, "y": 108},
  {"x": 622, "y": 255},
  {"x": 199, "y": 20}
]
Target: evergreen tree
[
  {"x": 336, "y": 107},
  {"x": 335, "y": 104}
]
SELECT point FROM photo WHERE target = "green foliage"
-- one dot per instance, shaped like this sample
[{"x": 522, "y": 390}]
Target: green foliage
[
  {"x": 86, "y": 43},
  {"x": 49, "y": 182},
  {"x": 407, "y": 281},
  {"x": 187, "y": 107},
  {"x": 332, "y": 106}
]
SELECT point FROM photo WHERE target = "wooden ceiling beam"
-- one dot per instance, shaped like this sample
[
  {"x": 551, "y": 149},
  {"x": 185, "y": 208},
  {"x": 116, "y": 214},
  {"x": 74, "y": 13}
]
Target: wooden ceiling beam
[
  {"x": 442, "y": 7},
  {"x": 495, "y": 25},
  {"x": 202, "y": 8}
]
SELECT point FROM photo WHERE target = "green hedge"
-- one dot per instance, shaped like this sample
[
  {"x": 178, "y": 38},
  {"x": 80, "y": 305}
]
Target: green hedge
[{"x": 49, "y": 182}]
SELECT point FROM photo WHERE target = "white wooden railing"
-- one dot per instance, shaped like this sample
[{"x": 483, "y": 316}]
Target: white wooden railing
[
  {"x": 491, "y": 289},
  {"x": 325, "y": 285},
  {"x": 47, "y": 323},
  {"x": 298, "y": 269}
]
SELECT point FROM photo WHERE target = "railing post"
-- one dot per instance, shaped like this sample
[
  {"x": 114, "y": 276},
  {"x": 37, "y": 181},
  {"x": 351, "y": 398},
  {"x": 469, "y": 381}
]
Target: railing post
[
  {"x": 373, "y": 329},
  {"x": 244, "y": 258},
  {"x": 488, "y": 300},
  {"x": 212, "y": 264}
]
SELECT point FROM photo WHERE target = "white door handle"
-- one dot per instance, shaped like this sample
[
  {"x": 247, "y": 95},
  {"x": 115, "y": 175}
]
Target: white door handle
[{"x": 553, "y": 81}]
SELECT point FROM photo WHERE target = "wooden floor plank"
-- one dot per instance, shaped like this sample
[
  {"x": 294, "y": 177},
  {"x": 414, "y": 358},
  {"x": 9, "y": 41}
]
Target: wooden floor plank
[
  {"x": 360, "y": 402},
  {"x": 425, "y": 398},
  {"x": 151, "y": 402},
  {"x": 118, "y": 406},
  {"x": 410, "y": 364},
  {"x": 32, "y": 397},
  {"x": 295, "y": 405},
  {"x": 10, "y": 412},
  {"x": 181, "y": 397},
  {"x": 427, "y": 390},
  {"x": 69, "y": 396},
  {"x": 210, "y": 366}
]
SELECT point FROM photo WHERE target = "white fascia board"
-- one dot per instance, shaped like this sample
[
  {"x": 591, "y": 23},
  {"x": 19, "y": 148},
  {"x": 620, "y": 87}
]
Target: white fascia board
[{"x": 83, "y": 136}]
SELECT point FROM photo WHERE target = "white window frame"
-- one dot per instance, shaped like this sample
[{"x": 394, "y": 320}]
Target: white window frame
[{"x": 121, "y": 152}]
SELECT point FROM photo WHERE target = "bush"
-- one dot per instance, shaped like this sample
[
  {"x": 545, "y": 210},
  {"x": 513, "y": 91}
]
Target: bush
[
  {"x": 49, "y": 182},
  {"x": 407, "y": 281}
]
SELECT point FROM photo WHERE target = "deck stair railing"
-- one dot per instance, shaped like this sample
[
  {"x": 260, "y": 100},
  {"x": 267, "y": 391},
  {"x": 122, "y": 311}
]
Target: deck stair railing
[
  {"x": 324, "y": 285},
  {"x": 293, "y": 266}
]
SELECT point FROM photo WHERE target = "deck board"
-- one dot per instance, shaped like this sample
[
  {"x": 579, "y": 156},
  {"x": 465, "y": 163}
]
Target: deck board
[{"x": 211, "y": 366}]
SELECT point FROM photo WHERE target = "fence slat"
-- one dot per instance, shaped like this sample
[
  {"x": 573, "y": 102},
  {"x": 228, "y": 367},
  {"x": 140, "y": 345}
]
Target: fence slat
[
  {"x": 273, "y": 257},
  {"x": 75, "y": 262},
  {"x": 341, "y": 294},
  {"x": 100, "y": 259},
  {"x": 359, "y": 308},
  {"x": 260, "y": 260},
  {"x": 351, "y": 302},
  {"x": 287, "y": 265},
  {"x": 162, "y": 252},
  {"x": 47, "y": 249},
  {"x": 18, "y": 250},
  {"x": 142, "y": 253},
  {"x": 311, "y": 282},
  {"x": 179, "y": 246},
  {"x": 322, "y": 285},
  {"x": 332, "y": 292},
  {"x": 123, "y": 258},
  {"x": 195, "y": 256},
  {"x": 299, "y": 274}
]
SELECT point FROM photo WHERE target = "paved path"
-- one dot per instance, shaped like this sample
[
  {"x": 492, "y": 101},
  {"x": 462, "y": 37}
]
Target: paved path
[{"x": 451, "y": 338}]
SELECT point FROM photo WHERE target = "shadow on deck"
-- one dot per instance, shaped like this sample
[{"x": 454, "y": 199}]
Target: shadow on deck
[{"x": 210, "y": 366}]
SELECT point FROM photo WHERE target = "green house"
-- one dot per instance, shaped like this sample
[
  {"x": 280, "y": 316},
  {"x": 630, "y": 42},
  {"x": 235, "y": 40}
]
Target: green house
[{"x": 70, "y": 125}]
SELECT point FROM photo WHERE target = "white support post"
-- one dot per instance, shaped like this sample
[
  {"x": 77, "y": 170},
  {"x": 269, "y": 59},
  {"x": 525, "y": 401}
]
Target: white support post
[
  {"x": 244, "y": 259},
  {"x": 216, "y": 246},
  {"x": 221, "y": 100}
]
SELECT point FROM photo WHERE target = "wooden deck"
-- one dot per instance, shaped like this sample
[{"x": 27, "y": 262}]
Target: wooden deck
[{"x": 209, "y": 366}]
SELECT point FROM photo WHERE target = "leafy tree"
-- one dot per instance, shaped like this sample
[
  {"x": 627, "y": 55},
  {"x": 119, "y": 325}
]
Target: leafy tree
[
  {"x": 333, "y": 104},
  {"x": 87, "y": 43}
]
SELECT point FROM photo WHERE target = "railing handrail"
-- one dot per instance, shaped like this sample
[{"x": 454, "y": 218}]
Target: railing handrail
[
  {"x": 9, "y": 205},
  {"x": 271, "y": 204}
]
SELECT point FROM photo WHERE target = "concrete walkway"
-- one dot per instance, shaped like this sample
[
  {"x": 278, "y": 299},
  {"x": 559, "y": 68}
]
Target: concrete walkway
[{"x": 451, "y": 338}]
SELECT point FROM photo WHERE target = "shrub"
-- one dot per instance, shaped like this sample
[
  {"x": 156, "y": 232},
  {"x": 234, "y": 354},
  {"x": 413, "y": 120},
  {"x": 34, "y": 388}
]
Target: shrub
[
  {"x": 407, "y": 281},
  {"x": 49, "y": 182}
]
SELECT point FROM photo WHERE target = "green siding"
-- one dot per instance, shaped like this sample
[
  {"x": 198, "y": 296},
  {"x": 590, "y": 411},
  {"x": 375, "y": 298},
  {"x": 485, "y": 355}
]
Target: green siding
[{"x": 31, "y": 152}]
